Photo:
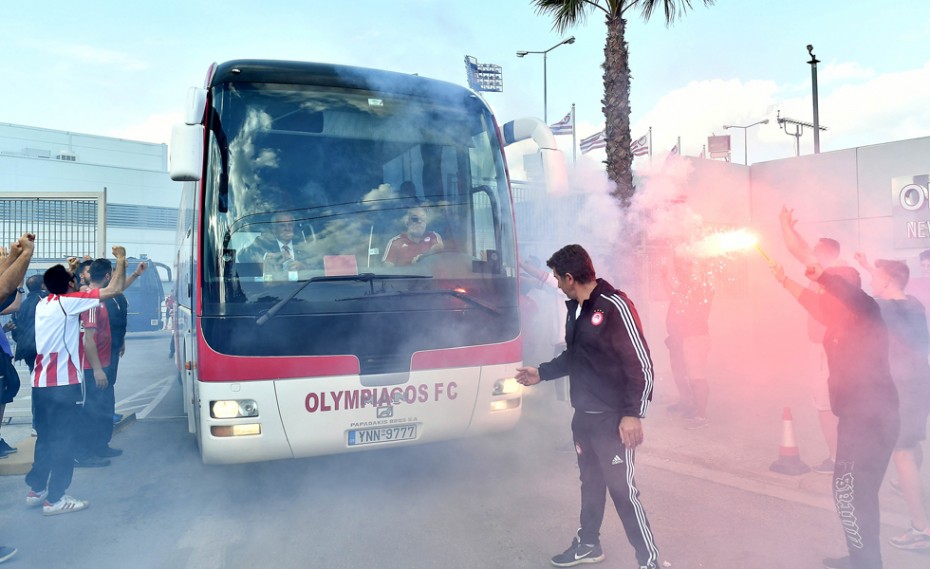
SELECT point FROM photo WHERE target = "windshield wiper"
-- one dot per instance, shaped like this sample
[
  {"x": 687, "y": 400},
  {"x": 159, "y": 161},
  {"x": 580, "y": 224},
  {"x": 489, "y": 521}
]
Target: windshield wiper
[
  {"x": 370, "y": 278},
  {"x": 461, "y": 295}
]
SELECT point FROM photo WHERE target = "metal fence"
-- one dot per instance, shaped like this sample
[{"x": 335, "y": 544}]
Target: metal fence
[{"x": 72, "y": 224}]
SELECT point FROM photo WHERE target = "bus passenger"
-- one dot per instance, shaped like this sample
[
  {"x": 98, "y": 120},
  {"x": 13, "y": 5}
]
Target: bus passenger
[
  {"x": 408, "y": 247},
  {"x": 278, "y": 248}
]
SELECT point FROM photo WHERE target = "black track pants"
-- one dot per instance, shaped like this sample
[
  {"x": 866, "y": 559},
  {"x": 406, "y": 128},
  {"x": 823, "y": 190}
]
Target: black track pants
[
  {"x": 607, "y": 465},
  {"x": 864, "y": 446}
]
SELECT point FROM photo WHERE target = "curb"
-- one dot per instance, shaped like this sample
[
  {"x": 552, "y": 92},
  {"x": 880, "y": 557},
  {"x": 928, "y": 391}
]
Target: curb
[
  {"x": 124, "y": 422},
  {"x": 20, "y": 462},
  {"x": 783, "y": 487}
]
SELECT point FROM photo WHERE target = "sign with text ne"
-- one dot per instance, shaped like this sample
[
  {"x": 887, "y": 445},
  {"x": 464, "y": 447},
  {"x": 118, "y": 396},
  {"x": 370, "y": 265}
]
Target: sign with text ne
[{"x": 910, "y": 207}]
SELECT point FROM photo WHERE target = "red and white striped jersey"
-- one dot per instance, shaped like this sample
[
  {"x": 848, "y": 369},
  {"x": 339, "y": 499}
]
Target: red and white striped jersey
[
  {"x": 98, "y": 320},
  {"x": 58, "y": 332}
]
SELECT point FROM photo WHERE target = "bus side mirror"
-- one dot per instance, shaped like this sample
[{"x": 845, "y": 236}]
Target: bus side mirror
[{"x": 186, "y": 152}]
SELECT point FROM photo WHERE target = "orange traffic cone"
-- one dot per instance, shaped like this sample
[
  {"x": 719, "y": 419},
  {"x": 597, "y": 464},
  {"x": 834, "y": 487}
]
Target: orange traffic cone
[{"x": 789, "y": 459}]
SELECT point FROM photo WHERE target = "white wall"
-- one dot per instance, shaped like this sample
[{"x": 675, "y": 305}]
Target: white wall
[
  {"x": 133, "y": 173},
  {"x": 845, "y": 194},
  {"x": 761, "y": 355}
]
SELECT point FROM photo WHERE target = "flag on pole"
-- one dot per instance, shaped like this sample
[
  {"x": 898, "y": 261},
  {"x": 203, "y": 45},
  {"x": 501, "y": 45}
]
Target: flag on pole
[
  {"x": 640, "y": 146},
  {"x": 675, "y": 151},
  {"x": 564, "y": 126},
  {"x": 594, "y": 141}
]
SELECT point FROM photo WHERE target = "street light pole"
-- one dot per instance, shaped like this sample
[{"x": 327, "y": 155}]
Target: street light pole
[
  {"x": 813, "y": 63},
  {"x": 745, "y": 141},
  {"x": 545, "y": 93},
  {"x": 545, "y": 81}
]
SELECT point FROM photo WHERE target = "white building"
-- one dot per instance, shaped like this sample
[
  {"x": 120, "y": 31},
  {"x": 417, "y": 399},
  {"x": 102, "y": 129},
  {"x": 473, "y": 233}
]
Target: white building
[{"x": 129, "y": 177}]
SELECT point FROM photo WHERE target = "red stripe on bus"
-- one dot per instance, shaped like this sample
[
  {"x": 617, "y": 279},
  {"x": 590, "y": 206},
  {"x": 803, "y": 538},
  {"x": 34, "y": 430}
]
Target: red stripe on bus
[
  {"x": 468, "y": 356},
  {"x": 214, "y": 366}
]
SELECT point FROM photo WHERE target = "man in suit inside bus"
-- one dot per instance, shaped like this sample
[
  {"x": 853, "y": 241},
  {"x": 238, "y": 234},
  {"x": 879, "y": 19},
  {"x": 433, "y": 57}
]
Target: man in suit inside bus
[{"x": 279, "y": 249}]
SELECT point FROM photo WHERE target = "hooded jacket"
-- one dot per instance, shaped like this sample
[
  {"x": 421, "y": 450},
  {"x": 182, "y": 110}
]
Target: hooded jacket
[
  {"x": 606, "y": 355},
  {"x": 856, "y": 345}
]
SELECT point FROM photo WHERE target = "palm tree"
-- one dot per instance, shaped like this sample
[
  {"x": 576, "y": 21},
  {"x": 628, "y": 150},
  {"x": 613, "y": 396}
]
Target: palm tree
[{"x": 616, "y": 101}]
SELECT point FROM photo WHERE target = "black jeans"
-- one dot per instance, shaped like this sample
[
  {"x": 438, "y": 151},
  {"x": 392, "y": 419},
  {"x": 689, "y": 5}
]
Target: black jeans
[
  {"x": 607, "y": 466},
  {"x": 96, "y": 425},
  {"x": 57, "y": 414},
  {"x": 863, "y": 450}
]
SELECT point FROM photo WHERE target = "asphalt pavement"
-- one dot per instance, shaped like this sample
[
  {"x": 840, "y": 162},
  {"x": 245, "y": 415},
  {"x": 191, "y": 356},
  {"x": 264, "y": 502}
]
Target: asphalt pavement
[
  {"x": 143, "y": 390},
  {"x": 735, "y": 450}
]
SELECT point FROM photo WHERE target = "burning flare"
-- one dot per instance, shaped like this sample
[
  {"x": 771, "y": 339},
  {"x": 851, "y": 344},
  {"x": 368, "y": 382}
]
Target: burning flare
[{"x": 722, "y": 243}]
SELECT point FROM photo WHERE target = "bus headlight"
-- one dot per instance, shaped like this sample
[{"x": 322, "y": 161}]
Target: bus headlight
[
  {"x": 506, "y": 386},
  {"x": 233, "y": 408}
]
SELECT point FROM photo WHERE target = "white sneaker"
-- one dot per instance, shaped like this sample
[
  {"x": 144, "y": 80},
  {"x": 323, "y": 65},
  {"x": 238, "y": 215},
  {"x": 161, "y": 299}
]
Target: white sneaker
[
  {"x": 34, "y": 498},
  {"x": 696, "y": 423},
  {"x": 66, "y": 505}
]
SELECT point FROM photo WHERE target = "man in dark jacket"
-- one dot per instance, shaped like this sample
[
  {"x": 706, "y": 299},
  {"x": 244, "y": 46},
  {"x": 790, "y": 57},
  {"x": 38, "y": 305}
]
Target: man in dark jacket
[
  {"x": 118, "y": 313},
  {"x": 862, "y": 396},
  {"x": 610, "y": 375}
]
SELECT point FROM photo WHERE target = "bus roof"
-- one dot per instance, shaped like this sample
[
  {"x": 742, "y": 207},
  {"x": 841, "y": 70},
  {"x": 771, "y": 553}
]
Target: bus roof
[{"x": 327, "y": 74}]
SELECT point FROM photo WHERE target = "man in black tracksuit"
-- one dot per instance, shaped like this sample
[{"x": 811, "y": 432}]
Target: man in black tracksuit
[
  {"x": 863, "y": 397},
  {"x": 610, "y": 373}
]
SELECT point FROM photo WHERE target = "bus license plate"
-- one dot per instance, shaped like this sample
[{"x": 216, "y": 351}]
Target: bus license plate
[{"x": 382, "y": 435}]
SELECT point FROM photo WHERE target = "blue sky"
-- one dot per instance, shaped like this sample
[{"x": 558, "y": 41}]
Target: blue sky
[{"x": 121, "y": 69}]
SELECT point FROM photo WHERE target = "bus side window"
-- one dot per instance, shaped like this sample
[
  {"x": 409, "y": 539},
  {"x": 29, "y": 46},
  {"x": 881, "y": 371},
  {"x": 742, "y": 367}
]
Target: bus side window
[{"x": 486, "y": 229}]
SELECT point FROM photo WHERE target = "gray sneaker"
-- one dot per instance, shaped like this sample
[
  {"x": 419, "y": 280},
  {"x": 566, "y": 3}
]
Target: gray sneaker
[
  {"x": 696, "y": 423},
  {"x": 579, "y": 553},
  {"x": 912, "y": 539},
  {"x": 6, "y": 552},
  {"x": 825, "y": 467},
  {"x": 837, "y": 563},
  {"x": 6, "y": 448},
  {"x": 91, "y": 462}
]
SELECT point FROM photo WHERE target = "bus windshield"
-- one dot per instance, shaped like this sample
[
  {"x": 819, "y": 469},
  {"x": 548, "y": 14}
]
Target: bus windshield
[{"x": 348, "y": 221}]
